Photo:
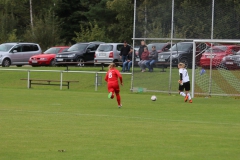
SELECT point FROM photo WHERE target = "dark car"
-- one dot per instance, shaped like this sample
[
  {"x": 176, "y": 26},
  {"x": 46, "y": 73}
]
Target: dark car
[
  {"x": 181, "y": 52},
  {"x": 231, "y": 61},
  {"x": 160, "y": 47},
  {"x": 80, "y": 52}
]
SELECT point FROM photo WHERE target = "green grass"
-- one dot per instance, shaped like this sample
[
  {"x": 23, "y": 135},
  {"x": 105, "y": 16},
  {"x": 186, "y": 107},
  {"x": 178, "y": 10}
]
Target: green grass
[{"x": 38, "y": 123}]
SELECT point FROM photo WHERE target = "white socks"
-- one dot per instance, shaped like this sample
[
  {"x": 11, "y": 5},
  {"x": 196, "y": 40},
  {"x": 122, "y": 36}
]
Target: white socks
[
  {"x": 189, "y": 96},
  {"x": 182, "y": 94}
]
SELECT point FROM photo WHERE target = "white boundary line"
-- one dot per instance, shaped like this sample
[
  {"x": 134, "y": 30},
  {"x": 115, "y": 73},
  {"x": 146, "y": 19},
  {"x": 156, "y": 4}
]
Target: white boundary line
[{"x": 126, "y": 117}]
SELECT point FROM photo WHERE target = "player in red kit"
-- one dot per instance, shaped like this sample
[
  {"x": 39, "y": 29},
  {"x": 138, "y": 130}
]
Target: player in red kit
[{"x": 111, "y": 78}]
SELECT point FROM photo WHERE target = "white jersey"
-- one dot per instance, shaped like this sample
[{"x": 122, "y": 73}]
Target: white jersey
[{"x": 185, "y": 77}]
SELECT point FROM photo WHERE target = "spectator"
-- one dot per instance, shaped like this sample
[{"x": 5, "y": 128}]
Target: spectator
[
  {"x": 128, "y": 63},
  {"x": 124, "y": 52},
  {"x": 144, "y": 58},
  {"x": 153, "y": 56},
  {"x": 141, "y": 49}
]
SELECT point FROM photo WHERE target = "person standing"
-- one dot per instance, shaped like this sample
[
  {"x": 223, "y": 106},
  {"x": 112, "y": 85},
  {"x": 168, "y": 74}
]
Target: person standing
[
  {"x": 184, "y": 83},
  {"x": 124, "y": 52},
  {"x": 153, "y": 56},
  {"x": 128, "y": 63},
  {"x": 111, "y": 78},
  {"x": 144, "y": 57},
  {"x": 141, "y": 49}
]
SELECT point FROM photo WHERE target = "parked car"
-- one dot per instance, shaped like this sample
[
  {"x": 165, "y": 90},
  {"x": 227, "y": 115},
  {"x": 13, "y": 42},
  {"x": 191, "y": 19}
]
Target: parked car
[
  {"x": 217, "y": 53},
  {"x": 17, "y": 53},
  {"x": 80, "y": 52},
  {"x": 231, "y": 61},
  {"x": 108, "y": 53},
  {"x": 48, "y": 57},
  {"x": 181, "y": 52},
  {"x": 160, "y": 47}
]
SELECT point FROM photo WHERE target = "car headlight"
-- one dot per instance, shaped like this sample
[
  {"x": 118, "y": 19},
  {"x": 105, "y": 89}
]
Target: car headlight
[
  {"x": 43, "y": 59},
  {"x": 71, "y": 55},
  {"x": 174, "y": 56}
]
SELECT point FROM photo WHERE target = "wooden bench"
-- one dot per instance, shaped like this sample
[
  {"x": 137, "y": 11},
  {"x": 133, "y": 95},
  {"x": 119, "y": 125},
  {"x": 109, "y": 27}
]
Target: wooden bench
[{"x": 48, "y": 82}]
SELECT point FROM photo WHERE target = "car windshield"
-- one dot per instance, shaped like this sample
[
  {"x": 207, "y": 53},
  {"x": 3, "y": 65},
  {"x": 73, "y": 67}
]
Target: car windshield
[
  {"x": 217, "y": 49},
  {"x": 181, "y": 47},
  {"x": 78, "y": 47},
  {"x": 159, "y": 46},
  {"x": 5, "y": 47},
  {"x": 52, "y": 51},
  {"x": 105, "y": 48}
]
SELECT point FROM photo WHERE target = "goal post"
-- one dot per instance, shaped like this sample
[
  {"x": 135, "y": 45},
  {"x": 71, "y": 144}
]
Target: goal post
[{"x": 213, "y": 74}]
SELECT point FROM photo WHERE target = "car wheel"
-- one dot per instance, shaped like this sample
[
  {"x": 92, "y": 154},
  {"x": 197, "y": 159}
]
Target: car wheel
[
  {"x": 52, "y": 63},
  {"x": 81, "y": 62},
  {"x": 185, "y": 61},
  {"x": 19, "y": 65},
  {"x": 6, "y": 62}
]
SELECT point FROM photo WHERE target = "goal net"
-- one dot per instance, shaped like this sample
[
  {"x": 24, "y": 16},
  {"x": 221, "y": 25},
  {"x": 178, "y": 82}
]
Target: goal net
[{"x": 216, "y": 71}]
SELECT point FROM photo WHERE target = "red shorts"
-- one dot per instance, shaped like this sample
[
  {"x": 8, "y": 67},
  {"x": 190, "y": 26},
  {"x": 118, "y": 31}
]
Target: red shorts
[{"x": 113, "y": 87}]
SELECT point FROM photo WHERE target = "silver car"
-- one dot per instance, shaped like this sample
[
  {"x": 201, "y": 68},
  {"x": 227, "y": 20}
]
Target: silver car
[
  {"x": 108, "y": 53},
  {"x": 17, "y": 53}
]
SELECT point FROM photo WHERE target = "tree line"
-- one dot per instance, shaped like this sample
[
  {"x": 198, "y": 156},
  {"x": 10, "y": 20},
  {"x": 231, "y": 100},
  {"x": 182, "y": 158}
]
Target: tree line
[{"x": 65, "y": 22}]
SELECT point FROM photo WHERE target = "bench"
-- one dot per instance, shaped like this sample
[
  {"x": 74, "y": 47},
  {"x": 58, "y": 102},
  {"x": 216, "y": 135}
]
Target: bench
[{"x": 48, "y": 82}]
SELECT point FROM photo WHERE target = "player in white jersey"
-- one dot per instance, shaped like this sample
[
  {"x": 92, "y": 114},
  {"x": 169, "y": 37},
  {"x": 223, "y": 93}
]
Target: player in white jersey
[{"x": 184, "y": 83}]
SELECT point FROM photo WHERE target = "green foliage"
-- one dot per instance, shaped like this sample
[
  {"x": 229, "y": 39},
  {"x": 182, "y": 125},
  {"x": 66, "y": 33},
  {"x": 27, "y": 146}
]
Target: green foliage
[
  {"x": 45, "y": 31},
  {"x": 12, "y": 37},
  {"x": 91, "y": 33}
]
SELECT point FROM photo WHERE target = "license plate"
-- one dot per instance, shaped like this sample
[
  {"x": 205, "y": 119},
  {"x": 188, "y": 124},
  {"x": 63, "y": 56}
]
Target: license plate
[
  {"x": 59, "y": 59},
  {"x": 210, "y": 56},
  {"x": 229, "y": 62},
  {"x": 34, "y": 61},
  {"x": 102, "y": 54},
  {"x": 137, "y": 59},
  {"x": 161, "y": 60}
]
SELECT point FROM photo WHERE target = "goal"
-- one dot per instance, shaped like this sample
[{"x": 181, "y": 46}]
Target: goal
[{"x": 216, "y": 71}]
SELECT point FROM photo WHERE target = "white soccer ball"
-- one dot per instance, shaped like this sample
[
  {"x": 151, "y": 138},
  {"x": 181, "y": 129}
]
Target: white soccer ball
[{"x": 153, "y": 98}]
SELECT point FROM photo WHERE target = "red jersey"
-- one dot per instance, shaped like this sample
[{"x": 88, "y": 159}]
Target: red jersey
[{"x": 112, "y": 76}]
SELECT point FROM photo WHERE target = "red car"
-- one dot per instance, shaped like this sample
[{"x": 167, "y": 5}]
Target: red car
[
  {"x": 48, "y": 57},
  {"x": 218, "y": 52}
]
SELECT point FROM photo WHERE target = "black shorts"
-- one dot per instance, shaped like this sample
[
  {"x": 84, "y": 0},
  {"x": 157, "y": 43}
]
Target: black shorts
[{"x": 185, "y": 86}]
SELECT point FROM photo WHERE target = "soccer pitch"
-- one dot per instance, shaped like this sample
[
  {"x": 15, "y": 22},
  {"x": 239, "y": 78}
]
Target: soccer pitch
[
  {"x": 75, "y": 124},
  {"x": 47, "y": 123}
]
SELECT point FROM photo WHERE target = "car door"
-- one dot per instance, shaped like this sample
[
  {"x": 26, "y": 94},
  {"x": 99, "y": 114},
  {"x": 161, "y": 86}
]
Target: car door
[
  {"x": 16, "y": 54},
  {"x": 91, "y": 49},
  {"x": 28, "y": 50}
]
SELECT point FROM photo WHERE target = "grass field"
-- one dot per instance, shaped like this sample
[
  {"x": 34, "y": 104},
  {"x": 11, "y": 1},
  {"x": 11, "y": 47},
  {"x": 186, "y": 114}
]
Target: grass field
[{"x": 46, "y": 123}]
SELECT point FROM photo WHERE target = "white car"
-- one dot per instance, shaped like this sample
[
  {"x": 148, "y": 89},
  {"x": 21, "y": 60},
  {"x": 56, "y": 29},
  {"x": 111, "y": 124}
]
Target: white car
[
  {"x": 17, "y": 53},
  {"x": 108, "y": 53}
]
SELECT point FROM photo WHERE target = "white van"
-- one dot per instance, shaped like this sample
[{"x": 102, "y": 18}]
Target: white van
[
  {"x": 17, "y": 53},
  {"x": 108, "y": 53}
]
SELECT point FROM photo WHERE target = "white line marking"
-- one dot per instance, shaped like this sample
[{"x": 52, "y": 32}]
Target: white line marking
[{"x": 127, "y": 117}]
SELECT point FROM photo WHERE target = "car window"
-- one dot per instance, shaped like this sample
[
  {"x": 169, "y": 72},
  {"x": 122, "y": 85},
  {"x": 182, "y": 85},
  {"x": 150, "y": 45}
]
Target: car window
[
  {"x": 78, "y": 47},
  {"x": 5, "y": 47},
  {"x": 64, "y": 50},
  {"x": 119, "y": 47},
  {"x": 105, "y": 48},
  {"x": 29, "y": 48},
  {"x": 17, "y": 48},
  {"x": 159, "y": 46},
  {"x": 182, "y": 47},
  {"x": 52, "y": 51},
  {"x": 92, "y": 47}
]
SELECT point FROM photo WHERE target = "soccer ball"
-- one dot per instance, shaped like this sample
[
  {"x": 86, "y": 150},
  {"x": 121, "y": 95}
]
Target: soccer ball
[{"x": 153, "y": 98}]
